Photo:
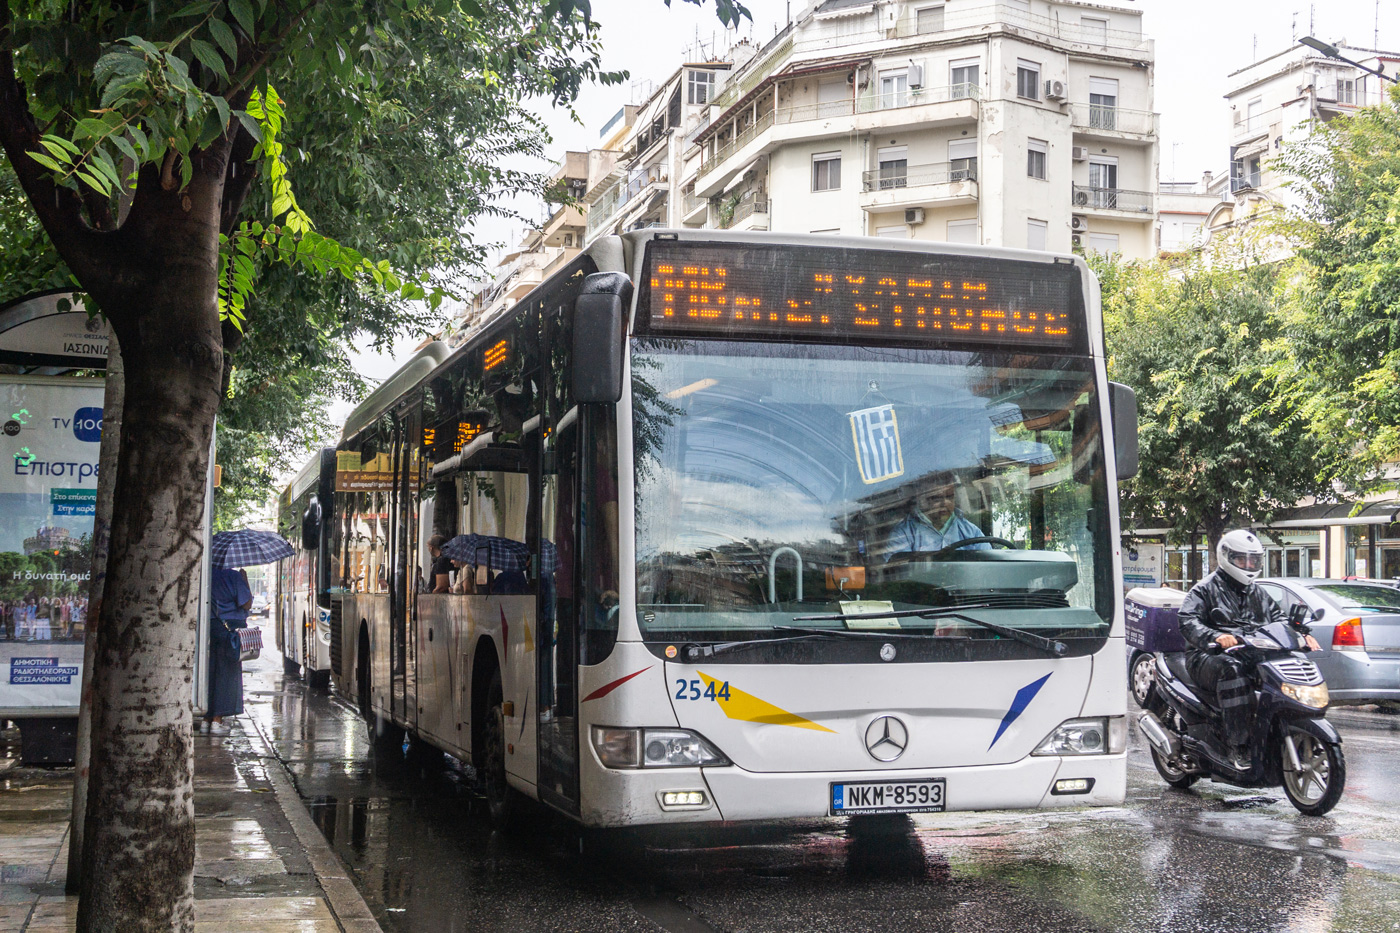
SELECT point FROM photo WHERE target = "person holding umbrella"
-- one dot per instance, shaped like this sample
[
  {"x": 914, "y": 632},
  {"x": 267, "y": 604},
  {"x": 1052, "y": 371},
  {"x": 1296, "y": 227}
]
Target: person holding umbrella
[{"x": 232, "y": 599}]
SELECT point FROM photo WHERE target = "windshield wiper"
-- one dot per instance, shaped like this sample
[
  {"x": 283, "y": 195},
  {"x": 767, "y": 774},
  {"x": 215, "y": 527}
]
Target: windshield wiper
[
  {"x": 1049, "y": 645},
  {"x": 696, "y": 652}
]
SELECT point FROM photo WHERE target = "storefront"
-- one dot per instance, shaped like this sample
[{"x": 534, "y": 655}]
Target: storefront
[{"x": 1307, "y": 541}]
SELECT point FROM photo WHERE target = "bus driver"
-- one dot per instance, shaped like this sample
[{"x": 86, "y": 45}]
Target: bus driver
[{"x": 933, "y": 521}]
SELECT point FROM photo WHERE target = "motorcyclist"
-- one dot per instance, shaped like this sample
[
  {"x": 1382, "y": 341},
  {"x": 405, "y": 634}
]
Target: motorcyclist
[{"x": 1221, "y": 676}]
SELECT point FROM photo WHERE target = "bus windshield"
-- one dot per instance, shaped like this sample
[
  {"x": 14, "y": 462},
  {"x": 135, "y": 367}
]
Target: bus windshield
[{"x": 781, "y": 480}]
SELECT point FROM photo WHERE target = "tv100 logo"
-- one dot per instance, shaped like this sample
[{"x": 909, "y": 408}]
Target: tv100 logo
[{"x": 87, "y": 424}]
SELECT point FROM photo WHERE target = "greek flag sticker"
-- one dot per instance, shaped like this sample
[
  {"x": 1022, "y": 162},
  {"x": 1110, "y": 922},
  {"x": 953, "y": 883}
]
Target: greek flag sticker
[{"x": 876, "y": 434}]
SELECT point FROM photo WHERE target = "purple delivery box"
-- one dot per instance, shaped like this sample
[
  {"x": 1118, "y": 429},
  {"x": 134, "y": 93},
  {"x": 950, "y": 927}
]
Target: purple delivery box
[{"x": 1150, "y": 613}]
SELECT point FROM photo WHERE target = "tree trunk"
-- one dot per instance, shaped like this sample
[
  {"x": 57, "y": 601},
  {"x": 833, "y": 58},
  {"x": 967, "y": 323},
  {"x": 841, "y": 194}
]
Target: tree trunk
[
  {"x": 101, "y": 538},
  {"x": 138, "y": 864}
]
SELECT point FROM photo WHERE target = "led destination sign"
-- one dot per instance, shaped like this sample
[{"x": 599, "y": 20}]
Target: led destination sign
[{"x": 734, "y": 290}]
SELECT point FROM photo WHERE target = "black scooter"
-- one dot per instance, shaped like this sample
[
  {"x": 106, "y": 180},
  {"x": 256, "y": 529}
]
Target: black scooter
[{"x": 1291, "y": 744}]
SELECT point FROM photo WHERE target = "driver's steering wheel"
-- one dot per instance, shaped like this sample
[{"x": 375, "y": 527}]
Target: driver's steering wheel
[{"x": 945, "y": 551}]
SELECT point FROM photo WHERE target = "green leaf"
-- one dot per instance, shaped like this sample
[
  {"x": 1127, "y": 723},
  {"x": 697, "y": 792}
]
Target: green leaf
[
  {"x": 244, "y": 14},
  {"x": 209, "y": 57},
  {"x": 224, "y": 36},
  {"x": 127, "y": 149},
  {"x": 221, "y": 106},
  {"x": 47, "y": 162},
  {"x": 250, "y": 124},
  {"x": 96, "y": 182},
  {"x": 210, "y": 130},
  {"x": 138, "y": 136},
  {"x": 199, "y": 8},
  {"x": 92, "y": 128}
]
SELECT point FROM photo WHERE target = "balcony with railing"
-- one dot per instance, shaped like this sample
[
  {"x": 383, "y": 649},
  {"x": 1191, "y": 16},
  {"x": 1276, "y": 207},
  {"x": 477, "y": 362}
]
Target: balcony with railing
[
  {"x": 926, "y": 107},
  {"x": 694, "y": 209},
  {"x": 748, "y": 214},
  {"x": 602, "y": 212},
  {"x": 1115, "y": 123},
  {"x": 935, "y": 183},
  {"x": 1119, "y": 202},
  {"x": 1246, "y": 181}
]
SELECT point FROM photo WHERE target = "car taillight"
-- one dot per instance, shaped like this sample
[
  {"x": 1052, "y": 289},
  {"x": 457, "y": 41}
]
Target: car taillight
[{"x": 1348, "y": 635}]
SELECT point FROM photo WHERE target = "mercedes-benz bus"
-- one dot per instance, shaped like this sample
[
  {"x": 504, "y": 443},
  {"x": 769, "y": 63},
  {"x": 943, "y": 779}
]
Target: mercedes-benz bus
[
  {"x": 716, "y": 527},
  {"x": 301, "y": 608}
]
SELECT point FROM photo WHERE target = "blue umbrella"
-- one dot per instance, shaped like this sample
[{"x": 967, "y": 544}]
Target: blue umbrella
[{"x": 247, "y": 547}]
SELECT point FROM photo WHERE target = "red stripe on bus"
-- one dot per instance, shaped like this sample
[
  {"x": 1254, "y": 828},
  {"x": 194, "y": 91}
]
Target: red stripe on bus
[{"x": 609, "y": 688}]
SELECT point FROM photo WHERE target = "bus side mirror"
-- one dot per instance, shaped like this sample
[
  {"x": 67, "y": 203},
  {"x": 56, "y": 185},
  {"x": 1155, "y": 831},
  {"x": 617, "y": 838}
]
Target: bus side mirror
[
  {"x": 1122, "y": 407},
  {"x": 599, "y": 325},
  {"x": 311, "y": 526}
]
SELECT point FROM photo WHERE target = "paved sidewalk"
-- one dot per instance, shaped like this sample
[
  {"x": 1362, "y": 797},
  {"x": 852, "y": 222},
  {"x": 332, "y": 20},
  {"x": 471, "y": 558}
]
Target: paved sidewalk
[{"x": 260, "y": 864}]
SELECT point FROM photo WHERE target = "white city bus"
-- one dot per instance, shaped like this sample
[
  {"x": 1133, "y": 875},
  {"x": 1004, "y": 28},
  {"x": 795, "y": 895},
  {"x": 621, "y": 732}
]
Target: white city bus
[
  {"x": 751, "y": 527},
  {"x": 301, "y": 609}
]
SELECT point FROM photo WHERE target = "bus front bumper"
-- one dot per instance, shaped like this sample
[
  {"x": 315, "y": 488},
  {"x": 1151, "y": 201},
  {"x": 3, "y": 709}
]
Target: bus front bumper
[{"x": 733, "y": 794}]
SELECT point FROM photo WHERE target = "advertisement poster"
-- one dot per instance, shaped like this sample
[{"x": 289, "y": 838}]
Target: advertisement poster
[
  {"x": 50, "y": 430},
  {"x": 1144, "y": 565}
]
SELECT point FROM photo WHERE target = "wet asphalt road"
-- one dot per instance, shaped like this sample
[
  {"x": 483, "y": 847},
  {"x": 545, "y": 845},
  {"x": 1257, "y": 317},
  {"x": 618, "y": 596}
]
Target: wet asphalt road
[{"x": 1213, "y": 859}]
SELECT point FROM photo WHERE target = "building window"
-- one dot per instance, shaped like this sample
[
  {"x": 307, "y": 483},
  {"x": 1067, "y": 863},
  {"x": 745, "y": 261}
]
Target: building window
[
  {"x": 894, "y": 89},
  {"x": 826, "y": 171},
  {"x": 894, "y": 167},
  {"x": 1035, "y": 158},
  {"x": 963, "y": 78},
  {"x": 1105, "y": 244},
  {"x": 1103, "y": 103},
  {"x": 1346, "y": 91},
  {"x": 898, "y": 232},
  {"x": 1254, "y": 116},
  {"x": 1095, "y": 29},
  {"x": 700, "y": 87},
  {"x": 1036, "y": 233},
  {"x": 962, "y": 159},
  {"x": 929, "y": 19},
  {"x": 1189, "y": 231},
  {"x": 962, "y": 231},
  {"x": 568, "y": 240},
  {"x": 1255, "y": 175},
  {"x": 1103, "y": 178},
  {"x": 1027, "y": 79}
]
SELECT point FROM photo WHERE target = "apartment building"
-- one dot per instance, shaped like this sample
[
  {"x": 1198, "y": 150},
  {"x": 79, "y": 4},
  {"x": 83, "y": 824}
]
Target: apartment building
[
  {"x": 642, "y": 190},
  {"x": 1019, "y": 123},
  {"x": 1278, "y": 100}
]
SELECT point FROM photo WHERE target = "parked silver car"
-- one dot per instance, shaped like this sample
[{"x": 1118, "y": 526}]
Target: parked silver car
[{"x": 1359, "y": 631}]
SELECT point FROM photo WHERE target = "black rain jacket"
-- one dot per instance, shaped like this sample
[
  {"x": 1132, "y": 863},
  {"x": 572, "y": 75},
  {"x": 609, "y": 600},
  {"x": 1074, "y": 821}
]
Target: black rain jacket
[{"x": 1248, "y": 607}]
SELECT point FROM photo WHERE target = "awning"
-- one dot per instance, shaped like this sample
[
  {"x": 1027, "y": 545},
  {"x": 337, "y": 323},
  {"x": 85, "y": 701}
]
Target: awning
[{"x": 739, "y": 176}]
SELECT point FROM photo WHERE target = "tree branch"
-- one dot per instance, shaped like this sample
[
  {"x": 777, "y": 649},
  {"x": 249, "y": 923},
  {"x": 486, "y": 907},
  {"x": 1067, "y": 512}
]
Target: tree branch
[{"x": 59, "y": 209}]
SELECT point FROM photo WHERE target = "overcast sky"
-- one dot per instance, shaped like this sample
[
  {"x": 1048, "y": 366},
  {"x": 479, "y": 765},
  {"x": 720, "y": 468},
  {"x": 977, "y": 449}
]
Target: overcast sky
[{"x": 1199, "y": 42}]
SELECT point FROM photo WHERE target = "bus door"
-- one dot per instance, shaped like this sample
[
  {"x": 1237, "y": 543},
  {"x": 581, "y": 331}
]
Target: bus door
[
  {"x": 403, "y": 533},
  {"x": 556, "y": 635}
]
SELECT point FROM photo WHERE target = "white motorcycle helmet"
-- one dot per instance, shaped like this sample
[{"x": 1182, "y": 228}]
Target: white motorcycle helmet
[{"x": 1240, "y": 555}]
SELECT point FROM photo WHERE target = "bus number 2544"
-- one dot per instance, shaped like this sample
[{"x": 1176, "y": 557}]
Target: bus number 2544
[{"x": 690, "y": 690}]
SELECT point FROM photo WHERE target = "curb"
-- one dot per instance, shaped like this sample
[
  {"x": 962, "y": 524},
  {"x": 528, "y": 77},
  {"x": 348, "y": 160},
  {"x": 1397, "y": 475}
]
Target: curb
[{"x": 350, "y": 909}]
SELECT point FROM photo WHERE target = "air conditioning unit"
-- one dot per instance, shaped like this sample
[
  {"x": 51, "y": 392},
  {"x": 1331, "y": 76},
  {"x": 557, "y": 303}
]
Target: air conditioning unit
[
  {"x": 1078, "y": 223},
  {"x": 1081, "y": 198},
  {"x": 1054, "y": 90},
  {"x": 916, "y": 75},
  {"x": 913, "y": 215},
  {"x": 1079, "y": 153},
  {"x": 1077, "y": 240}
]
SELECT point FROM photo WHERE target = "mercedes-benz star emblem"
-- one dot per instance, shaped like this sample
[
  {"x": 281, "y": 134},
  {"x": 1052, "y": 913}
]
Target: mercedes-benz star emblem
[
  {"x": 887, "y": 652},
  {"x": 886, "y": 738}
]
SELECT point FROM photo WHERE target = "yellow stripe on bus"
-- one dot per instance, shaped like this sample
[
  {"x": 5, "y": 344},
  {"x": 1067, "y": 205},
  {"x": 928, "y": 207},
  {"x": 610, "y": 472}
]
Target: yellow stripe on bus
[{"x": 749, "y": 708}]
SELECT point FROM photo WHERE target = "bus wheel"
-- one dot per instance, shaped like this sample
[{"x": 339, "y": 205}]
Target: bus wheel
[
  {"x": 500, "y": 799},
  {"x": 318, "y": 680}
]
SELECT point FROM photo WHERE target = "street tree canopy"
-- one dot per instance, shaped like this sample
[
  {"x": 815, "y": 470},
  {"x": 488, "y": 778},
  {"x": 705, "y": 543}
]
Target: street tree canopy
[
  {"x": 1219, "y": 446},
  {"x": 153, "y": 143},
  {"x": 1341, "y": 361}
]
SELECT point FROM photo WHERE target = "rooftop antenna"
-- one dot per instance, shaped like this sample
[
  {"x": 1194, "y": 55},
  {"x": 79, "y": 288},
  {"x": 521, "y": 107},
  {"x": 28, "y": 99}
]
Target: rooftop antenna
[
  {"x": 1312, "y": 19},
  {"x": 1256, "y": 47},
  {"x": 1376, "y": 36},
  {"x": 1295, "y": 27}
]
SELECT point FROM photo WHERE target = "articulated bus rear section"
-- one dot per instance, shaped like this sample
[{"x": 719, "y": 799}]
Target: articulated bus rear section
[{"x": 720, "y": 527}]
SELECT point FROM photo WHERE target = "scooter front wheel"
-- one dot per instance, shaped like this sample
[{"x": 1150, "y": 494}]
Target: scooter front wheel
[{"x": 1314, "y": 770}]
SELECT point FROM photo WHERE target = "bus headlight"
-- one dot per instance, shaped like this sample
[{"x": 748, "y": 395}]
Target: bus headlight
[
  {"x": 654, "y": 748},
  {"x": 1077, "y": 737}
]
